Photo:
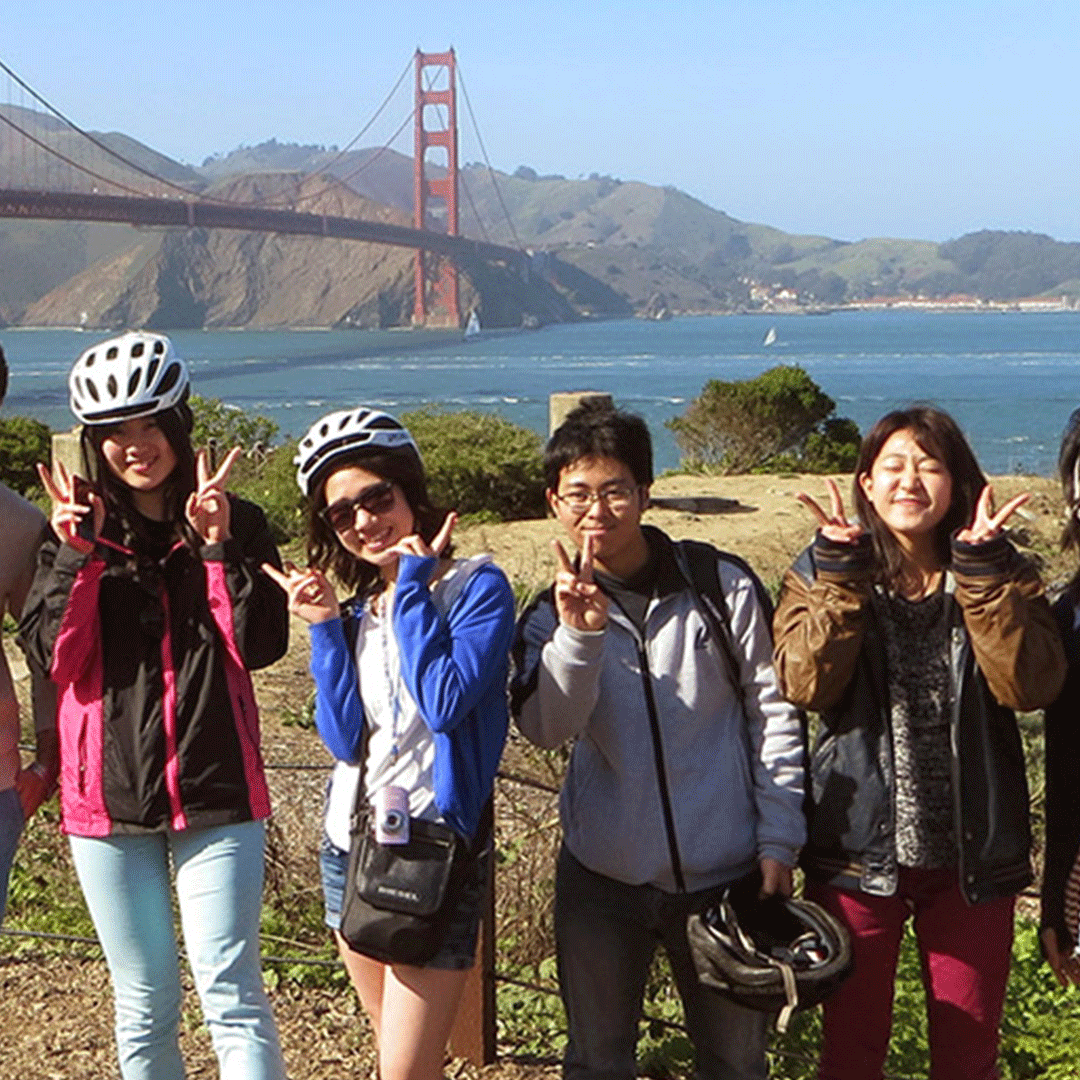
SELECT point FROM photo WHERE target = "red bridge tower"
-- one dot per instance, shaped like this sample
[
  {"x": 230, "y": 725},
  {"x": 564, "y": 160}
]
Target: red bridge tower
[{"x": 436, "y": 276}]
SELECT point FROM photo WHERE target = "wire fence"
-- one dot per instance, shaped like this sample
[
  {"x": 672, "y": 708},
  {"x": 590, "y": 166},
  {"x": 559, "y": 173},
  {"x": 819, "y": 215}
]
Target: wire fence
[{"x": 271, "y": 957}]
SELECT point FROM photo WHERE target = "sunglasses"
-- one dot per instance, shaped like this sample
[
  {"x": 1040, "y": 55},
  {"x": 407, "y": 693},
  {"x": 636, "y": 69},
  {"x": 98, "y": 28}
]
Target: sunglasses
[{"x": 377, "y": 499}]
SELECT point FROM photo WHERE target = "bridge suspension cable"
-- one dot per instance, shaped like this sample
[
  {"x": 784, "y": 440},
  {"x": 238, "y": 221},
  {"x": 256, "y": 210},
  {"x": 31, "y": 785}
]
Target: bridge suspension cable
[
  {"x": 103, "y": 147},
  {"x": 43, "y": 177},
  {"x": 487, "y": 160},
  {"x": 368, "y": 162},
  {"x": 179, "y": 188}
]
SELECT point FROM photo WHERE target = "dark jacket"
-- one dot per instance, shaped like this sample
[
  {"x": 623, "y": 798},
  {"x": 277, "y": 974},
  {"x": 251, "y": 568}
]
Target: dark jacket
[
  {"x": 157, "y": 717},
  {"x": 1063, "y": 783},
  {"x": 1004, "y": 653}
]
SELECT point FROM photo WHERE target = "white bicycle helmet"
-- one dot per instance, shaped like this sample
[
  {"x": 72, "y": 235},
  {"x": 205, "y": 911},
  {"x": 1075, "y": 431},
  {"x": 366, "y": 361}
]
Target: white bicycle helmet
[
  {"x": 344, "y": 432},
  {"x": 135, "y": 374}
]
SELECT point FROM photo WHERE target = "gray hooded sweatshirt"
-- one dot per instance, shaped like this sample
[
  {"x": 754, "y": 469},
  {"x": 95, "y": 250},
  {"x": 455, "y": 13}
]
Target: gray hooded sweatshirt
[{"x": 732, "y": 777}]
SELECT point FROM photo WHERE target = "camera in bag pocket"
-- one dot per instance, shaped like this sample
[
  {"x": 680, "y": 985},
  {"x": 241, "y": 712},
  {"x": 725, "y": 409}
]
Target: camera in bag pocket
[{"x": 391, "y": 811}]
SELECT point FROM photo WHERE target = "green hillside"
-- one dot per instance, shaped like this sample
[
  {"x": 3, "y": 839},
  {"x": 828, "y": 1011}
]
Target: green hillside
[{"x": 619, "y": 247}]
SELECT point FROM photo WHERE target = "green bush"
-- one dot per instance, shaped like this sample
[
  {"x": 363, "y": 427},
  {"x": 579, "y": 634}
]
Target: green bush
[
  {"x": 23, "y": 443},
  {"x": 223, "y": 426},
  {"x": 264, "y": 474},
  {"x": 269, "y": 480},
  {"x": 479, "y": 463},
  {"x": 779, "y": 421},
  {"x": 832, "y": 448}
]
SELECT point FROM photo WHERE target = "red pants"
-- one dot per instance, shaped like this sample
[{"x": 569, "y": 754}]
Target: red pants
[{"x": 965, "y": 951}]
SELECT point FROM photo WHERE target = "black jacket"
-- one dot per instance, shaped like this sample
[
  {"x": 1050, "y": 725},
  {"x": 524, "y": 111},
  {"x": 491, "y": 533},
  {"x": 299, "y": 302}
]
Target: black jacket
[
  {"x": 831, "y": 657},
  {"x": 157, "y": 718},
  {"x": 1062, "y": 783}
]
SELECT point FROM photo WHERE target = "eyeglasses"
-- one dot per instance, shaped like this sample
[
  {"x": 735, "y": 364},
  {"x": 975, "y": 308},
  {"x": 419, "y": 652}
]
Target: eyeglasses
[
  {"x": 377, "y": 499},
  {"x": 616, "y": 499}
]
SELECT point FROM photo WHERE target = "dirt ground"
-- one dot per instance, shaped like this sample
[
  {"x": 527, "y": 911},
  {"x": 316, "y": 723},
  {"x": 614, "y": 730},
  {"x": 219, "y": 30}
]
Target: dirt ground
[
  {"x": 766, "y": 526},
  {"x": 56, "y": 1007}
]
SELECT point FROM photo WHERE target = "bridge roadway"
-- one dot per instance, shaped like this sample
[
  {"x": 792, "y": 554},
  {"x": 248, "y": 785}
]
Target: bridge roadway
[{"x": 203, "y": 214}]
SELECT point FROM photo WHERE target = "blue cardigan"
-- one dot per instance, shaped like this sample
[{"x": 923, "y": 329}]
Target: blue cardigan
[{"x": 454, "y": 665}]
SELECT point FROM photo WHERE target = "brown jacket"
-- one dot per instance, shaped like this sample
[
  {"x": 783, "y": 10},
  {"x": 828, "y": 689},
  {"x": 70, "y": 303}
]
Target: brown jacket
[{"x": 1005, "y": 654}]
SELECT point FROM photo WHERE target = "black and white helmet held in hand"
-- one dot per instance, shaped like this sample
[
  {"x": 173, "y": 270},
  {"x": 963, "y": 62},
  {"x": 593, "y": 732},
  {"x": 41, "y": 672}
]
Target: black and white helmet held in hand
[
  {"x": 345, "y": 432},
  {"x": 776, "y": 954},
  {"x": 135, "y": 374}
]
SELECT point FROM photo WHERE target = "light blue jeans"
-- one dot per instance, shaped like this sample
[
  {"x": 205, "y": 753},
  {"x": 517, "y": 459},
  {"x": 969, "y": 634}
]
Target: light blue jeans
[
  {"x": 219, "y": 879},
  {"x": 11, "y": 827}
]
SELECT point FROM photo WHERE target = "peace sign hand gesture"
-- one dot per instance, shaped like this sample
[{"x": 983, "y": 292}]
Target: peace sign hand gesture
[
  {"x": 77, "y": 516},
  {"x": 834, "y": 526},
  {"x": 987, "y": 525},
  {"x": 311, "y": 596},
  {"x": 208, "y": 506},
  {"x": 414, "y": 543},
  {"x": 579, "y": 601}
]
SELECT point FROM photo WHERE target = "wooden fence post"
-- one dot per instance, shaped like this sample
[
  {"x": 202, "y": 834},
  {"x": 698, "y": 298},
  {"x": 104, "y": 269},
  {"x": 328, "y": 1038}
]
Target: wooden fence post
[{"x": 473, "y": 1034}]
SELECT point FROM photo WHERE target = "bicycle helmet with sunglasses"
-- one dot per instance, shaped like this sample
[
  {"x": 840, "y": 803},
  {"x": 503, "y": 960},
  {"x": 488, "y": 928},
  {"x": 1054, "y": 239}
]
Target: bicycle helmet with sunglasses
[
  {"x": 345, "y": 432},
  {"x": 135, "y": 374}
]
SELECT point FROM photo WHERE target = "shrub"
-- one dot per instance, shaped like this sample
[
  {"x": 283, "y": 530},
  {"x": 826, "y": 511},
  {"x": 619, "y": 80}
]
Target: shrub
[
  {"x": 23, "y": 443},
  {"x": 480, "y": 463},
  {"x": 221, "y": 427},
  {"x": 269, "y": 480},
  {"x": 265, "y": 474},
  {"x": 833, "y": 448},
  {"x": 779, "y": 421}
]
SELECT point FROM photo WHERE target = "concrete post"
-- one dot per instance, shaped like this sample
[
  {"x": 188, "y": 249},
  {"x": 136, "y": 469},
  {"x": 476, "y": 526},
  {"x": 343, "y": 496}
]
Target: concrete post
[
  {"x": 566, "y": 401},
  {"x": 67, "y": 450}
]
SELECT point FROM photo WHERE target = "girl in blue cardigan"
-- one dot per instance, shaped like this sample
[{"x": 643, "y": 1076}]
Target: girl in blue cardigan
[{"x": 415, "y": 664}]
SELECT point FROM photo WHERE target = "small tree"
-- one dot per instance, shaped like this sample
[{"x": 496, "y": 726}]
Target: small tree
[
  {"x": 779, "y": 420},
  {"x": 265, "y": 473},
  {"x": 221, "y": 427}
]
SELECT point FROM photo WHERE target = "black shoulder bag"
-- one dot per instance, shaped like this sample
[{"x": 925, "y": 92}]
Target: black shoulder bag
[{"x": 399, "y": 898}]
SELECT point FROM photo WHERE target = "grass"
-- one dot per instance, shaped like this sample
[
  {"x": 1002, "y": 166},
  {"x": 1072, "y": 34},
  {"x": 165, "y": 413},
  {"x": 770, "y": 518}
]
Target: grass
[{"x": 1040, "y": 1031}]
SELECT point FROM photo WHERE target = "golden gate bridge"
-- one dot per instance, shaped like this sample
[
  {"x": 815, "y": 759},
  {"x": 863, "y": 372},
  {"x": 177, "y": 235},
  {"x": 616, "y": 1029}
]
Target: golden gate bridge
[{"x": 50, "y": 168}]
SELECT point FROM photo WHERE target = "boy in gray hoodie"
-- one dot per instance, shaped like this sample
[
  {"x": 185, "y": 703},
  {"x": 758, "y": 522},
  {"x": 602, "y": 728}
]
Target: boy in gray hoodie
[{"x": 679, "y": 781}]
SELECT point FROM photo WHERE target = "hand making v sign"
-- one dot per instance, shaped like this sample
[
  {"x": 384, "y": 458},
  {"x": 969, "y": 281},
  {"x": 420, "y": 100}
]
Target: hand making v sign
[
  {"x": 833, "y": 525},
  {"x": 208, "y": 506},
  {"x": 579, "y": 601},
  {"x": 986, "y": 524},
  {"x": 70, "y": 507}
]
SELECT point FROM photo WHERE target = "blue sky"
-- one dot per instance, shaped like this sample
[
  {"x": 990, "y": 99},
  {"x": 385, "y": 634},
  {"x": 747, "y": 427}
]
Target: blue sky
[{"x": 848, "y": 119}]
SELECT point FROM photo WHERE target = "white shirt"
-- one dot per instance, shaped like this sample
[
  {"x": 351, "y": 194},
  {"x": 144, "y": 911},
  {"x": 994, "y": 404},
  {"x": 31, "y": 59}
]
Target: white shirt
[{"x": 392, "y": 717}]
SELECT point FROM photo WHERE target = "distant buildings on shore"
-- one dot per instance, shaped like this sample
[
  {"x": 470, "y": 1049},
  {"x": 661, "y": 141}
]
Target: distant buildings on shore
[
  {"x": 781, "y": 299},
  {"x": 967, "y": 303}
]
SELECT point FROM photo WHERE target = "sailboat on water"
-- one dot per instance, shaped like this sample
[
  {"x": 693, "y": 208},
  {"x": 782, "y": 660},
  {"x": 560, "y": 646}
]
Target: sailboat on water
[
  {"x": 770, "y": 336},
  {"x": 472, "y": 327}
]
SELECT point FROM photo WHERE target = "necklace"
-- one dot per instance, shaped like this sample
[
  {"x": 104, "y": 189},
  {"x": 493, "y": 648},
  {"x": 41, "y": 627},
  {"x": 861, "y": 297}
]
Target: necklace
[{"x": 393, "y": 678}]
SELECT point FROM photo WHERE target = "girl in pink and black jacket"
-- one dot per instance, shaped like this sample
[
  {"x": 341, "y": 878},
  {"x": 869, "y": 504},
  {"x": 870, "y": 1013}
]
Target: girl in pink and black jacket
[{"x": 149, "y": 609}]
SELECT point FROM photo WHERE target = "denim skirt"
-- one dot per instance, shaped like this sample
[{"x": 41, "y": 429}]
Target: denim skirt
[{"x": 458, "y": 950}]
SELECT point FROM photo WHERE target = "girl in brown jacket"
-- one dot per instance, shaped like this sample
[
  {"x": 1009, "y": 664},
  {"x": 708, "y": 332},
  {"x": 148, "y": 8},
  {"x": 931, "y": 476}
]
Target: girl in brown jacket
[{"x": 914, "y": 631}]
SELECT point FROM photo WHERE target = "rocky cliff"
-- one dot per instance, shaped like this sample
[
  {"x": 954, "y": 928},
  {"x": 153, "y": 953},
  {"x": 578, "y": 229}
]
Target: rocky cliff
[{"x": 192, "y": 278}]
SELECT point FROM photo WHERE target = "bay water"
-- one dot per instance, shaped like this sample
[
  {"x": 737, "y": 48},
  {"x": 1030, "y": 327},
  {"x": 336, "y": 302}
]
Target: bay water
[{"x": 1010, "y": 379}]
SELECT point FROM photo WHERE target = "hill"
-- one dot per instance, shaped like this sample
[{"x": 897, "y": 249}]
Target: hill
[
  {"x": 608, "y": 247},
  {"x": 192, "y": 278}
]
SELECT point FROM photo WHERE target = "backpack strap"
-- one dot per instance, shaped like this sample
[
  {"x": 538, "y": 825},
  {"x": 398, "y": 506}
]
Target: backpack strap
[{"x": 699, "y": 564}]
